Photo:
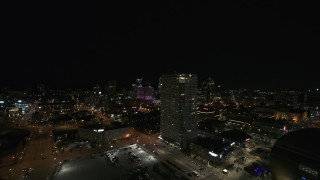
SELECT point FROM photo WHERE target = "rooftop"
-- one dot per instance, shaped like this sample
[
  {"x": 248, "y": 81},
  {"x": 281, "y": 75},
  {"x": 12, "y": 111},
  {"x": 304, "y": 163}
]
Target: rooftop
[
  {"x": 235, "y": 135},
  {"x": 211, "y": 144}
]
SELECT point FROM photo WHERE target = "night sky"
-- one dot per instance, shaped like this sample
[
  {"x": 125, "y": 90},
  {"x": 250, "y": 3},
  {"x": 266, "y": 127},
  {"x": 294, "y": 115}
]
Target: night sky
[{"x": 247, "y": 44}]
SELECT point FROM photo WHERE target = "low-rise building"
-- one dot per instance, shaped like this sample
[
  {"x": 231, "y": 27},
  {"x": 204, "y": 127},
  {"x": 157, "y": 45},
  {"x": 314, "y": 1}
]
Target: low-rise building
[
  {"x": 295, "y": 115},
  {"x": 102, "y": 135},
  {"x": 235, "y": 137},
  {"x": 212, "y": 150}
]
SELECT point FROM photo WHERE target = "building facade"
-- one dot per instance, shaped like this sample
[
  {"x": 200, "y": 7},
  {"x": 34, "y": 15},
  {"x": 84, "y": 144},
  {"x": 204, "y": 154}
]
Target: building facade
[
  {"x": 104, "y": 135},
  {"x": 206, "y": 92},
  {"x": 178, "y": 117},
  {"x": 144, "y": 93},
  {"x": 295, "y": 115}
]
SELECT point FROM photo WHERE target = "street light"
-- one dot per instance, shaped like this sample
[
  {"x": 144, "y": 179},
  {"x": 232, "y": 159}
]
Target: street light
[{"x": 10, "y": 173}]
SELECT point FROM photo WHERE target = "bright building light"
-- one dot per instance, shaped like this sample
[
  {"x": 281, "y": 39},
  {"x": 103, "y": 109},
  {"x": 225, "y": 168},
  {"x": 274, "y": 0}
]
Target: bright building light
[{"x": 213, "y": 154}]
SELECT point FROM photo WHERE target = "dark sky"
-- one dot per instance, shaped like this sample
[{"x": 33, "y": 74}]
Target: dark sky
[{"x": 247, "y": 44}]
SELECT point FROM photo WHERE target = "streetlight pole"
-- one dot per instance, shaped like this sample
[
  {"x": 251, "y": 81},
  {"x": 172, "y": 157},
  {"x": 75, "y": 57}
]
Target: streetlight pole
[{"x": 10, "y": 173}]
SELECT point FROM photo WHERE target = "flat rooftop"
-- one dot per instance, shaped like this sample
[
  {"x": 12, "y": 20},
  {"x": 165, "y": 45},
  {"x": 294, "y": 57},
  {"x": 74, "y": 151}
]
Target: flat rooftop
[
  {"x": 211, "y": 144},
  {"x": 235, "y": 135}
]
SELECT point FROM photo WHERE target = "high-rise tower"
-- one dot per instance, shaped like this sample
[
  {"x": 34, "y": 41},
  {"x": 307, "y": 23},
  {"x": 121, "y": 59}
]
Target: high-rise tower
[
  {"x": 178, "y": 119},
  {"x": 206, "y": 92}
]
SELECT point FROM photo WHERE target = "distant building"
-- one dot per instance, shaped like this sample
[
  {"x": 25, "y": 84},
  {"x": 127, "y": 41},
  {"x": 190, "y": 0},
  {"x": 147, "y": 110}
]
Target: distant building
[
  {"x": 295, "y": 115},
  {"x": 311, "y": 101},
  {"x": 228, "y": 97},
  {"x": 14, "y": 112},
  {"x": 144, "y": 93},
  {"x": 111, "y": 88},
  {"x": 178, "y": 117},
  {"x": 97, "y": 90},
  {"x": 23, "y": 105},
  {"x": 206, "y": 92},
  {"x": 51, "y": 106}
]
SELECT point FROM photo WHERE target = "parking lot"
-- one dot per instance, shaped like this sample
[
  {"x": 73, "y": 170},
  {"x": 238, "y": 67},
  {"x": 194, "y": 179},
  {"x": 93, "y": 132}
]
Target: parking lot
[
  {"x": 155, "y": 160},
  {"x": 129, "y": 162}
]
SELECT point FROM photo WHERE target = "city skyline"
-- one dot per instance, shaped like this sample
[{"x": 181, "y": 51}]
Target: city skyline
[
  {"x": 250, "y": 45},
  {"x": 126, "y": 84}
]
